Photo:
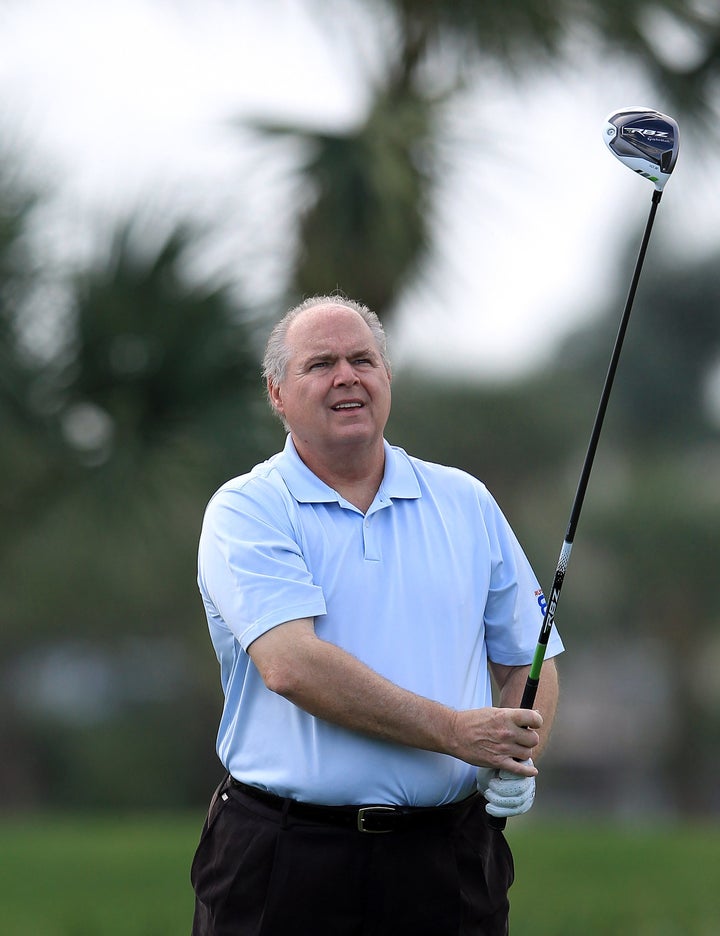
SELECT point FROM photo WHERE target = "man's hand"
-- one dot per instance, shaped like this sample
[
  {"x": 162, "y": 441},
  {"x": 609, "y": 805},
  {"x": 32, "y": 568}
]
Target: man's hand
[
  {"x": 507, "y": 794},
  {"x": 500, "y": 738}
]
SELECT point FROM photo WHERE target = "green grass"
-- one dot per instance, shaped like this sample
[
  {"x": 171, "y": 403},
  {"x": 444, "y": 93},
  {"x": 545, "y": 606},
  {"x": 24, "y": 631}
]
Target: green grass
[
  {"x": 81, "y": 876},
  {"x": 601, "y": 878}
]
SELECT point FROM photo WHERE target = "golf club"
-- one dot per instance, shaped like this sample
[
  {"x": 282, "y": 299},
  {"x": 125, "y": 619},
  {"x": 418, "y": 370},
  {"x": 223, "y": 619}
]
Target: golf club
[{"x": 647, "y": 142}]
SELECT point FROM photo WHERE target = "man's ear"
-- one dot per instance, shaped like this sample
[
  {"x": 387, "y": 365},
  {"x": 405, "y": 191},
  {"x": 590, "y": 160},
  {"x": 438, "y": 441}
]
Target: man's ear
[{"x": 275, "y": 396}]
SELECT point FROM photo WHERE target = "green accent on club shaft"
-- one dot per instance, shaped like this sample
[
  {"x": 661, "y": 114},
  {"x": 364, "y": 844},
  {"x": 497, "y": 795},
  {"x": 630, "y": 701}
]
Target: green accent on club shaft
[{"x": 537, "y": 661}]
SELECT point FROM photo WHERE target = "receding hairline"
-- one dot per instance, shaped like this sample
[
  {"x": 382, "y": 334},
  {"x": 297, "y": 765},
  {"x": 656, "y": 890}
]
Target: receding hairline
[
  {"x": 331, "y": 306},
  {"x": 317, "y": 303}
]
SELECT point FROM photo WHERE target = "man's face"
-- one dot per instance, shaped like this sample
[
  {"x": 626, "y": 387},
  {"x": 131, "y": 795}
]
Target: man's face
[{"x": 336, "y": 389}]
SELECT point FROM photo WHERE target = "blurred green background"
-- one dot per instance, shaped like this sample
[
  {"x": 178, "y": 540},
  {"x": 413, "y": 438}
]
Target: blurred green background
[{"x": 130, "y": 389}]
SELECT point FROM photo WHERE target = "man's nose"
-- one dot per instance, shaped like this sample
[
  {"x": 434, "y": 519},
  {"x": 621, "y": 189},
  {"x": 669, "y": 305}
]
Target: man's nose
[{"x": 344, "y": 373}]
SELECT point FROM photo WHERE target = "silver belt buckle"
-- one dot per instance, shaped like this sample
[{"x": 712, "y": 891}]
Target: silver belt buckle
[{"x": 364, "y": 810}]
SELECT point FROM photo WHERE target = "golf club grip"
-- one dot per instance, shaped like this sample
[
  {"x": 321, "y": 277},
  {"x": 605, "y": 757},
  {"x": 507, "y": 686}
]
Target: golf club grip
[{"x": 528, "y": 700}]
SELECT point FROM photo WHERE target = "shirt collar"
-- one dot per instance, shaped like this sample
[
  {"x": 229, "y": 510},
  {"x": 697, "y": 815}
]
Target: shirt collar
[{"x": 398, "y": 481}]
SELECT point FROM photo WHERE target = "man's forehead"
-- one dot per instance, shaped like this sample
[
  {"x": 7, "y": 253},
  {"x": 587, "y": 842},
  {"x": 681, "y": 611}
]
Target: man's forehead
[{"x": 328, "y": 324}]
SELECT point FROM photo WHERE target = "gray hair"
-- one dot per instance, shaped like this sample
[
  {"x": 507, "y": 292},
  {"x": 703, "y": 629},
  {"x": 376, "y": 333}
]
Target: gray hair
[{"x": 277, "y": 352}]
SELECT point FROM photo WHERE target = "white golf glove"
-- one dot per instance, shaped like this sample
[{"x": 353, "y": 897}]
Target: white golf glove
[{"x": 507, "y": 794}]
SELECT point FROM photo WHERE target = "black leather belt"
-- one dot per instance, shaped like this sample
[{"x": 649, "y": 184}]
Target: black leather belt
[{"x": 371, "y": 818}]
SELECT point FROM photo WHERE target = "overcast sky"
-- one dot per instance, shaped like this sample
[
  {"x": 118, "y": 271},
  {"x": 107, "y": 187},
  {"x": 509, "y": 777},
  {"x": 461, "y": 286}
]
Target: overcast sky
[{"x": 125, "y": 105}]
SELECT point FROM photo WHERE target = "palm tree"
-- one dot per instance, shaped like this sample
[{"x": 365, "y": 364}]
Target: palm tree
[
  {"x": 365, "y": 223},
  {"x": 157, "y": 356},
  {"x": 117, "y": 440},
  {"x": 151, "y": 400}
]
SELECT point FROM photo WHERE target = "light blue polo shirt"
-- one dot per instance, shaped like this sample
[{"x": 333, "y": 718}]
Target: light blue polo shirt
[{"x": 423, "y": 588}]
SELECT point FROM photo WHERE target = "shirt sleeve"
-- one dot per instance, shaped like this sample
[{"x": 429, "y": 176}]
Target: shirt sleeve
[
  {"x": 515, "y": 605},
  {"x": 251, "y": 570}
]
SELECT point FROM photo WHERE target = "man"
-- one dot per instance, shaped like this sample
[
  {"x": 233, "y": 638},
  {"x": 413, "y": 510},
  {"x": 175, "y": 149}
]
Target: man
[{"x": 359, "y": 601}]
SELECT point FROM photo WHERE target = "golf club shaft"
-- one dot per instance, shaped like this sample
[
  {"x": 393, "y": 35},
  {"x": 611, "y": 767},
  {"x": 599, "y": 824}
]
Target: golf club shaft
[{"x": 533, "y": 680}]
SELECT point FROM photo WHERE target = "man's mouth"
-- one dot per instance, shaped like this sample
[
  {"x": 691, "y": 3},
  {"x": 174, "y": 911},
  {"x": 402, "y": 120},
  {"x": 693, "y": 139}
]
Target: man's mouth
[{"x": 355, "y": 404}]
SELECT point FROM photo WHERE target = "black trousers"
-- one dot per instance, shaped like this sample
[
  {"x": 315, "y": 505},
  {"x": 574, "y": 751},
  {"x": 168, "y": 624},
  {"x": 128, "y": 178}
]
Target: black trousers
[{"x": 258, "y": 871}]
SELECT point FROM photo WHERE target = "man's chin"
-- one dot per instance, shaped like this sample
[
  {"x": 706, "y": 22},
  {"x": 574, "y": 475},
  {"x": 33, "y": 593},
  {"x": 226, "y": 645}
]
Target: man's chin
[{"x": 355, "y": 435}]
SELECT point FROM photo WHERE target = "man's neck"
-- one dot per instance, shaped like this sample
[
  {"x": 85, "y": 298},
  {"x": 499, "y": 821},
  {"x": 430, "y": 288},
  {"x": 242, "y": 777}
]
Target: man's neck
[{"x": 354, "y": 472}]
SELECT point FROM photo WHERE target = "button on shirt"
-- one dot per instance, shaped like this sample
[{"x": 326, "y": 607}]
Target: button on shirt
[{"x": 422, "y": 588}]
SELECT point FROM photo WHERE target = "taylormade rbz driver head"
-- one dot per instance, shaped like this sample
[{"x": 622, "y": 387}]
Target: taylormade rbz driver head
[{"x": 645, "y": 140}]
